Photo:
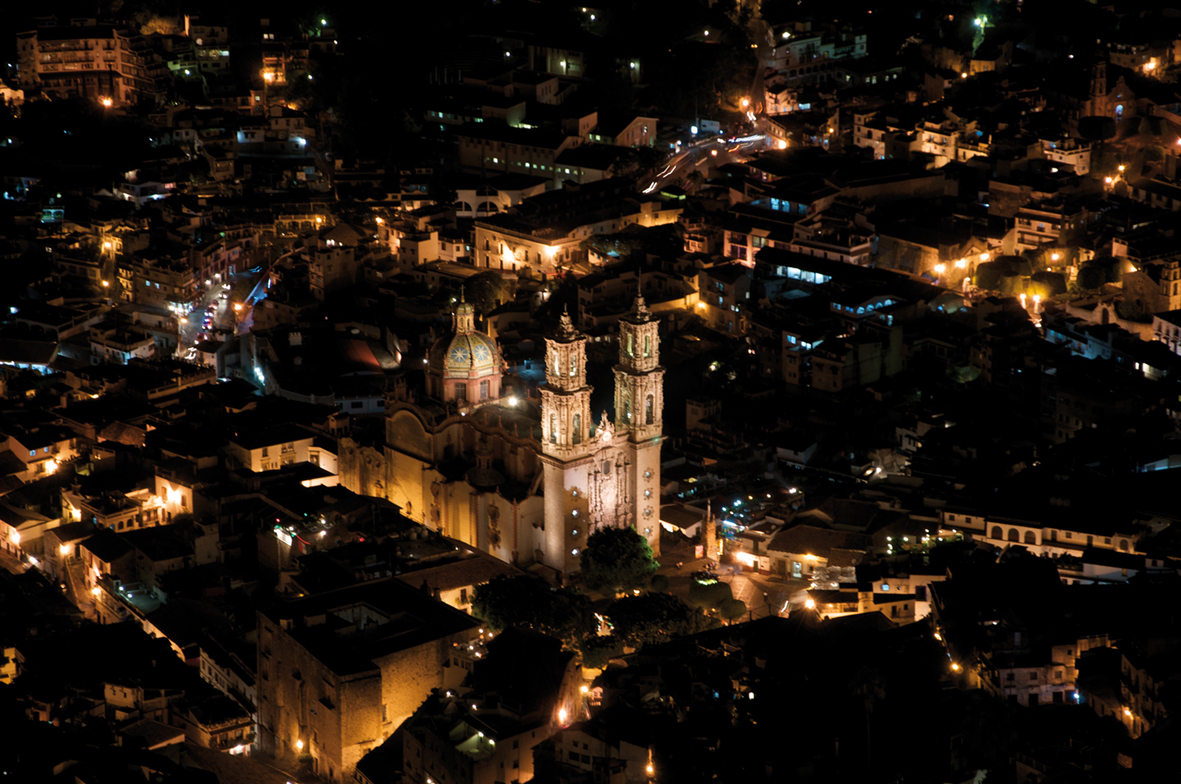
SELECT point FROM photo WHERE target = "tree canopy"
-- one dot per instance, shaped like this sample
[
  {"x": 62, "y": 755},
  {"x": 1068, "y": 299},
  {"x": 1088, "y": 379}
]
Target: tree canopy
[
  {"x": 653, "y": 618},
  {"x": 530, "y": 603},
  {"x": 617, "y": 559}
]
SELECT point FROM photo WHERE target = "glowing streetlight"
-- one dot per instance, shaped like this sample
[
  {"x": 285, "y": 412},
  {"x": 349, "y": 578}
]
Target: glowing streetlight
[
  {"x": 1053, "y": 257},
  {"x": 299, "y": 745},
  {"x": 1121, "y": 167},
  {"x": 584, "y": 689},
  {"x": 961, "y": 263},
  {"x": 782, "y": 144},
  {"x": 964, "y": 75},
  {"x": 1107, "y": 180},
  {"x": 650, "y": 770},
  {"x": 940, "y": 269},
  {"x": 561, "y": 715},
  {"x": 95, "y": 591},
  {"x": 107, "y": 103},
  {"x": 810, "y": 604},
  {"x": 955, "y": 667},
  {"x": 745, "y": 102},
  {"x": 106, "y": 284},
  {"x": 984, "y": 257}
]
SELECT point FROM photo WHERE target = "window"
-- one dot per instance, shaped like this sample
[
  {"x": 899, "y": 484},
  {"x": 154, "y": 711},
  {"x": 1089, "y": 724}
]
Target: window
[
  {"x": 553, "y": 428},
  {"x": 577, "y": 435},
  {"x": 483, "y": 390},
  {"x": 649, "y": 410},
  {"x": 265, "y": 452},
  {"x": 463, "y": 595},
  {"x": 460, "y": 393}
]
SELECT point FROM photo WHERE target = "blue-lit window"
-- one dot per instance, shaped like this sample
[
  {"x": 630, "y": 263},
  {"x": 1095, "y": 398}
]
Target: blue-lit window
[{"x": 32, "y": 453}]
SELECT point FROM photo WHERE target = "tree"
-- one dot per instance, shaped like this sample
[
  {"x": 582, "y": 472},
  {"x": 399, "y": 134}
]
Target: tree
[
  {"x": 732, "y": 609},
  {"x": 597, "y": 650},
  {"x": 653, "y": 618},
  {"x": 617, "y": 559},
  {"x": 484, "y": 291},
  {"x": 708, "y": 597},
  {"x": 530, "y": 603}
]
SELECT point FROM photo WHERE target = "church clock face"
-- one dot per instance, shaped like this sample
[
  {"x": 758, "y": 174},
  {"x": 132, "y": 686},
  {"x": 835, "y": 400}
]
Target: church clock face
[
  {"x": 458, "y": 354},
  {"x": 481, "y": 353}
]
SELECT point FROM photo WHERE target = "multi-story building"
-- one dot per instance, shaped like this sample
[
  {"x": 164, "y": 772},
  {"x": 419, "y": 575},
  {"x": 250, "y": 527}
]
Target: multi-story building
[
  {"x": 1054, "y": 223},
  {"x": 339, "y": 671},
  {"x": 107, "y": 64}
]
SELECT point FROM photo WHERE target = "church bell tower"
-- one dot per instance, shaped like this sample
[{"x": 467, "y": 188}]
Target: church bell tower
[{"x": 639, "y": 407}]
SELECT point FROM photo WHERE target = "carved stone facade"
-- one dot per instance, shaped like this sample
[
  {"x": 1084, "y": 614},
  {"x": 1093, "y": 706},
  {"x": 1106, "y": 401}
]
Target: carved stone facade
[
  {"x": 610, "y": 477},
  {"x": 537, "y": 482}
]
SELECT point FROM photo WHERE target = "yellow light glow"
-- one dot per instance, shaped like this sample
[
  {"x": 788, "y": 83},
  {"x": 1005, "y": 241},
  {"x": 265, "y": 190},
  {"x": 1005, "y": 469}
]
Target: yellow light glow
[
  {"x": 1121, "y": 167},
  {"x": 810, "y": 604},
  {"x": 955, "y": 666},
  {"x": 107, "y": 102},
  {"x": 238, "y": 306},
  {"x": 50, "y": 466},
  {"x": 940, "y": 269},
  {"x": 106, "y": 284},
  {"x": 16, "y": 537},
  {"x": 380, "y": 221},
  {"x": 94, "y": 591},
  {"x": 63, "y": 550},
  {"x": 961, "y": 263},
  {"x": 650, "y": 769},
  {"x": 939, "y": 636},
  {"x": 1053, "y": 257},
  {"x": 1107, "y": 180},
  {"x": 964, "y": 75},
  {"x": 584, "y": 689},
  {"x": 299, "y": 745},
  {"x": 782, "y": 144},
  {"x": 745, "y": 102},
  {"x": 713, "y": 152},
  {"x": 562, "y": 715},
  {"x": 1127, "y": 712},
  {"x": 985, "y": 257},
  {"x": 746, "y": 559},
  {"x": 810, "y": 557}
]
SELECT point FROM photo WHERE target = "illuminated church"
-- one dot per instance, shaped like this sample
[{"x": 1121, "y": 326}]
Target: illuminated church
[{"x": 525, "y": 483}]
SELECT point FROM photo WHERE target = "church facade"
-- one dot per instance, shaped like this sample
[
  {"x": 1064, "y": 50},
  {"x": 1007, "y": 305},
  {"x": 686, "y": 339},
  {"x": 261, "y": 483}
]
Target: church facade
[{"x": 524, "y": 482}]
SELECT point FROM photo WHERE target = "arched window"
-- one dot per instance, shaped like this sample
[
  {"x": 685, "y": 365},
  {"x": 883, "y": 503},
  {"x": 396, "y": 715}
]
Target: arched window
[
  {"x": 631, "y": 351},
  {"x": 997, "y": 533},
  {"x": 1030, "y": 537},
  {"x": 647, "y": 345},
  {"x": 1013, "y": 535},
  {"x": 573, "y": 367},
  {"x": 577, "y": 436},
  {"x": 649, "y": 410},
  {"x": 627, "y": 409},
  {"x": 557, "y": 365},
  {"x": 1123, "y": 545},
  {"x": 553, "y": 428}
]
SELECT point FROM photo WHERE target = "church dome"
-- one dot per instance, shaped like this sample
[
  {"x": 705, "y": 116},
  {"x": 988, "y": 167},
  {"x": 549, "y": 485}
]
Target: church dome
[{"x": 464, "y": 355}]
